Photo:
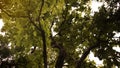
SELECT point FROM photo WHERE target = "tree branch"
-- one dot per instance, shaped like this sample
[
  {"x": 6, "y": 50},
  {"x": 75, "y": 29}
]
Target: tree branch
[
  {"x": 55, "y": 44},
  {"x": 62, "y": 52},
  {"x": 11, "y": 15},
  {"x": 64, "y": 16},
  {"x": 85, "y": 54},
  {"x": 33, "y": 49},
  {"x": 40, "y": 12},
  {"x": 32, "y": 22}
]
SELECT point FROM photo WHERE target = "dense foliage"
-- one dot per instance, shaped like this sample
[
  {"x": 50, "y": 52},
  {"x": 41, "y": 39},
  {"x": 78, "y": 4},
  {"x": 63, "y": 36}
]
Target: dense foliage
[{"x": 58, "y": 33}]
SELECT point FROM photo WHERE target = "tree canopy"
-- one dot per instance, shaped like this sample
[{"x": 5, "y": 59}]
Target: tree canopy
[{"x": 59, "y": 33}]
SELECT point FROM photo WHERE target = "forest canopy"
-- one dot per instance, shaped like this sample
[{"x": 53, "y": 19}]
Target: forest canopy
[{"x": 56, "y": 34}]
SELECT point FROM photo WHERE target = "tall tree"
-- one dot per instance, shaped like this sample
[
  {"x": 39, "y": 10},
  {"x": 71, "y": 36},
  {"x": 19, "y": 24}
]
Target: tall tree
[{"x": 61, "y": 32}]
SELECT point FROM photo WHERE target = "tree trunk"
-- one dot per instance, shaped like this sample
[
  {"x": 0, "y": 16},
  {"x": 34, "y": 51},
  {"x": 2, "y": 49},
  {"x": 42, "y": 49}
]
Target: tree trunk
[
  {"x": 61, "y": 54},
  {"x": 61, "y": 57},
  {"x": 44, "y": 49}
]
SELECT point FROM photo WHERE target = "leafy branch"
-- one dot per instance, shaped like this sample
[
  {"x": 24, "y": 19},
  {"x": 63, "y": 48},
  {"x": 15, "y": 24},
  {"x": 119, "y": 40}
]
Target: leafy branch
[{"x": 12, "y": 15}]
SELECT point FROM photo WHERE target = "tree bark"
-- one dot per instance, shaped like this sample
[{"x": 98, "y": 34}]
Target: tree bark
[
  {"x": 61, "y": 57},
  {"x": 61, "y": 54},
  {"x": 44, "y": 49},
  {"x": 85, "y": 54},
  {"x": 42, "y": 32}
]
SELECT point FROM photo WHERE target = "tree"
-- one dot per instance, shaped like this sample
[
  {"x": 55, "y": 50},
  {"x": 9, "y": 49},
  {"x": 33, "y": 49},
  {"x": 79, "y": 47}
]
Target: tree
[
  {"x": 5, "y": 53},
  {"x": 108, "y": 24},
  {"x": 30, "y": 25}
]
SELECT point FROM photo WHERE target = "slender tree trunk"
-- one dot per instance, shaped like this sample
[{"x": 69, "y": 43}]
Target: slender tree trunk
[{"x": 44, "y": 49}]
